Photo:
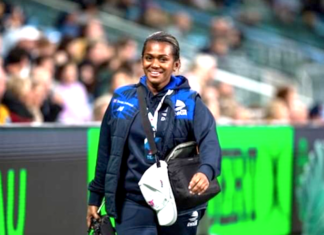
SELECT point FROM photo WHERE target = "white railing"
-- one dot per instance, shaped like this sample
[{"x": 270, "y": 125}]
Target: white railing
[{"x": 245, "y": 83}]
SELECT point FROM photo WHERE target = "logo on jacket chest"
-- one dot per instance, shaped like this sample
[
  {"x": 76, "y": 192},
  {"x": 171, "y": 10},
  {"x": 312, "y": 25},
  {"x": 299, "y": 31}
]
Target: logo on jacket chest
[
  {"x": 164, "y": 115},
  {"x": 180, "y": 108}
]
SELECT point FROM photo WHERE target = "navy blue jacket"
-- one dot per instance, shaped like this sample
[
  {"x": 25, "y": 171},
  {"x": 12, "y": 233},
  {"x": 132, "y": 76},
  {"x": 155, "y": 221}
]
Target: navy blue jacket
[{"x": 189, "y": 119}]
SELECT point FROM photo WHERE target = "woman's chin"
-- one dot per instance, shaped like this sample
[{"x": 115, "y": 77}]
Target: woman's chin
[{"x": 154, "y": 80}]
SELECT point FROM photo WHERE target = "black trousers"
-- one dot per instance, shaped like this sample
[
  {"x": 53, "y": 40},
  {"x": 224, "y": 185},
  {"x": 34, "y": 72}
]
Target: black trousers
[{"x": 137, "y": 219}]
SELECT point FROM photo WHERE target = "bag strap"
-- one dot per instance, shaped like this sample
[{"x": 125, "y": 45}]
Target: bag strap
[{"x": 146, "y": 123}]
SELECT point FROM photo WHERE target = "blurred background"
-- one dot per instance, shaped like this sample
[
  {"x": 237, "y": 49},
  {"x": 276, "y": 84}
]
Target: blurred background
[{"x": 257, "y": 64}]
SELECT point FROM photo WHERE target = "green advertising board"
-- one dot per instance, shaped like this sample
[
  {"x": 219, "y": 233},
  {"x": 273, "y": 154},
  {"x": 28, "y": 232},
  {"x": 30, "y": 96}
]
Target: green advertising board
[
  {"x": 43, "y": 180},
  {"x": 256, "y": 180},
  {"x": 7, "y": 221}
]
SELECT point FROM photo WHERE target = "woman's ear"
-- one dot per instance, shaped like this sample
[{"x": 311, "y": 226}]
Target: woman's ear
[{"x": 177, "y": 66}]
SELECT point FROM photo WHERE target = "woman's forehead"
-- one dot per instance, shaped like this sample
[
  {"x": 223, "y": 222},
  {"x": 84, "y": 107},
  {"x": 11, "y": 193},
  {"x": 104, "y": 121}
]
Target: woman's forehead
[{"x": 156, "y": 47}]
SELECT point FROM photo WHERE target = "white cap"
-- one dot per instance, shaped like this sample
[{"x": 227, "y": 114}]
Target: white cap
[
  {"x": 156, "y": 189},
  {"x": 29, "y": 33}
]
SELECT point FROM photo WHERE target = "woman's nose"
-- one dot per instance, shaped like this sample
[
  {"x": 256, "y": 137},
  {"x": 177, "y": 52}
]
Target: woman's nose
[{"x": 155, "y": 63}]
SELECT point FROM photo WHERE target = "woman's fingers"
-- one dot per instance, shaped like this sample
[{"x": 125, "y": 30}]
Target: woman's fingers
[
  {"x": 199, "y": 183},
  {"x": 92, "y": 213}
]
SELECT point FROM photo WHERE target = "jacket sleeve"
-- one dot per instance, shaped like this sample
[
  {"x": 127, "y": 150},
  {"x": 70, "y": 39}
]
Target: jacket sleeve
[
  {"x": 207, "y": 140},
  {"x": 97, "y": 185}
]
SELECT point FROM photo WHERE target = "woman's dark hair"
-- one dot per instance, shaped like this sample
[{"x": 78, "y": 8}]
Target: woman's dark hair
[
  {"x": 283, "y": 92},
  {"x": 164, "y": 37},
  {"x": 60, "y": 70}
]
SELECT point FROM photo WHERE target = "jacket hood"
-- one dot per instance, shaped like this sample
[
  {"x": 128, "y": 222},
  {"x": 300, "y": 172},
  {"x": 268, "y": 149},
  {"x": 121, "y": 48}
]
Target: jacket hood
[{"x": 176, "y": 83}]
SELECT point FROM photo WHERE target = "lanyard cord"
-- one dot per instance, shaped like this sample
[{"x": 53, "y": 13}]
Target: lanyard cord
[
  {"x": 154, "y": 118},
  {"x": 150, "y": 123}
]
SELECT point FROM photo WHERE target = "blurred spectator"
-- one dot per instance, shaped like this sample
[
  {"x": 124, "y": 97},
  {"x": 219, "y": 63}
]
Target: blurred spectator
[
  {"x": 3, "y": 12},
  {"x": 68, "y": 24},
  {"x": 287, "y": 94},
  {"x": 52, "y": 103},
  {"x": 125, "y": 6},
  {"x": 4, "y": 112},
  {"x": 227, "y": 102},
  {"x": 98, "y": 53},
  {"x": 312, "y": 14},
  {"x": 286, "y": 10},
  {"x": 121, "y": 78},
  {"x": 122, "y": 8},
  {"x": 277, "y": 112},
  {"x": 242, "y": 115},
  {"x": 70, "y": 49},
  {"x": 37, "y": 96},
  {"x": 137, "y": 68},
  {"x": 298, "y": 113},
  {"x": 74, "y": 47},
  {"x": 206, "y": 5},
  {"x": 100, "y": 106},
  {"x": 218, "y": 47},
  {"x": 47, "y": 63},
  {"x": 61, "y": 57},
  {"x": 210, "y": 98},
  {"x": 316, "y": 114},
  {"x": 45, "y": 48},
  {"x": 220, "y": 27},
  {"x": 44, "y": 76},
  {"x": 125, "y": 51},
  {"x": 94, "y": 69},
  {"x": 17, "y": 63},
  {"x": 87, "y": 76},
  {"x": 252, "y": 14},
  {"x": 235, "y": 39},
  {"x": 88, "y": 9},
  {"x": 122, "y": 56},
  {"x": 223, "y": 37},
  {"x": 28, "y": 38},
  {"x": 297, "y": 110},
  {"x": 202, "y": 72},
  {"x": 25, "y": 37},
  {"x": 76, "y": 108},
  {"x": 12, "y": 20},
  {"x": 93, "y": 30},
  {"x": 18, "y": 99},
  {"x": 15, "y": 17},
  {"x": 153, "y": 16},
  {"x": 181, "y": 25}
]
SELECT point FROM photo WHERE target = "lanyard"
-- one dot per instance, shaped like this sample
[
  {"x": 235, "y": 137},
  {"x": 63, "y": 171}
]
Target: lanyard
[{"x": 154, "y": 118}]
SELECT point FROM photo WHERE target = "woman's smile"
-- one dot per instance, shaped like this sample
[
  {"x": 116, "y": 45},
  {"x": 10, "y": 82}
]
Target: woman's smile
[
  {"x": 158, "y": 64},
  {"x": 154, "y": 74}
]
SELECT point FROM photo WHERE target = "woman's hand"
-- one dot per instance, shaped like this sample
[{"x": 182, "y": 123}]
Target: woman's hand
[
  {"x": 199, "y": 183},
  {"x": 92, "y": 213}
]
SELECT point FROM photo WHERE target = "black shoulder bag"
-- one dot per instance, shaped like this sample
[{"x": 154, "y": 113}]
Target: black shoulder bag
[{"x": 183, "y": 163}]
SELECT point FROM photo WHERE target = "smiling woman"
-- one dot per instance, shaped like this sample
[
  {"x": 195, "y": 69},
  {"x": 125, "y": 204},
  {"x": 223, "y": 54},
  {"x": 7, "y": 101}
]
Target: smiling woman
[
  {"x": 177, "y": 115},
  {"x": 160, "y": 59}
]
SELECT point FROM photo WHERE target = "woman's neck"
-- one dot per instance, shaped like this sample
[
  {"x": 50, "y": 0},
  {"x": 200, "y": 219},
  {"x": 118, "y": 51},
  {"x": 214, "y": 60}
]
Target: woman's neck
[{"x": 155, "y": 89}]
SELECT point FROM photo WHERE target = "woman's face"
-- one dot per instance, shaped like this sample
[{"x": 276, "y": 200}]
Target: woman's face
[
  {"x": 38, "y": 95},
  {"x": 158, "y": 64},
  {"x": 70, "y": 74}
]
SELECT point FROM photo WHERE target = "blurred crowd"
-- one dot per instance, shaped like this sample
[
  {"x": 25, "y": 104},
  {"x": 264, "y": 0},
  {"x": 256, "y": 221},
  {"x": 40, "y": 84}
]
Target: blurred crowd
[
  {"x": 70, "y": 78},
  {"x": 308, "y": 13}
]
